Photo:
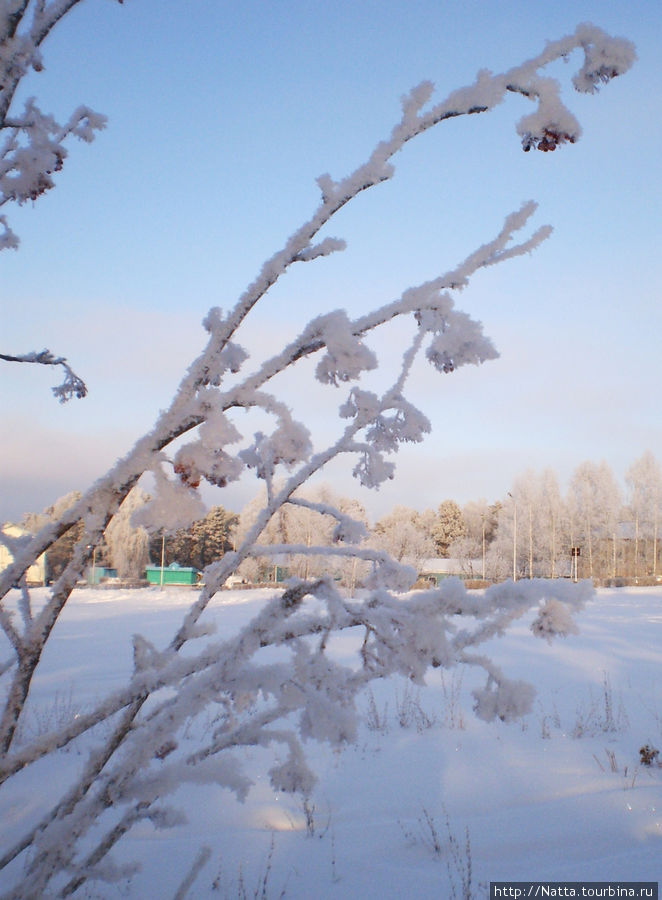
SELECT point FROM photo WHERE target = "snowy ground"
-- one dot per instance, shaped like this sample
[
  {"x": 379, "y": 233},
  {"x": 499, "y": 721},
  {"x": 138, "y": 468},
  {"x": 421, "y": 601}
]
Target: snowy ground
[{"x": 560, "y": 796}]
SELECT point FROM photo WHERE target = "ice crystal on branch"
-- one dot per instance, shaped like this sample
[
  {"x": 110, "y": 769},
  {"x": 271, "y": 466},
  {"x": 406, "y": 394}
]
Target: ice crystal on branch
[
  {"x": 553, "y": 620},
  {"x": 346, "y": 355},
  {"x": 372, "y": 469},
  {"x": 460, "y": 343},
  {"x": 205, "y": 458},
  {"x": 506, "y": 700},
  {"x": 173, "y": 504},
  {"x": 360, "y": 405},
  {"x": 406, "y": 424},
  {"x": 72, "y": 386},
  {"x": 604, "y": 58}
]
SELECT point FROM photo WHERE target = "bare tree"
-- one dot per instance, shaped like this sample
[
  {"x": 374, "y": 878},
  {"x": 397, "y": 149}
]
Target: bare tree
[{"x": 137, "y": 759}]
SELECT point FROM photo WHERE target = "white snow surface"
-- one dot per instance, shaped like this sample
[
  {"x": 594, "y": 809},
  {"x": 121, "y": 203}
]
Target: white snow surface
[{"x": 560, "y": 795}]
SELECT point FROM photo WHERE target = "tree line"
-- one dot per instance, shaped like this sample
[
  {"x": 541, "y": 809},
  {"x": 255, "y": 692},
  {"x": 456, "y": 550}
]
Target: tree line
[
  {"x": 603, "y": 532},
  {"x": 594, "y": 530},
  {"x": 128, "y": 548}
]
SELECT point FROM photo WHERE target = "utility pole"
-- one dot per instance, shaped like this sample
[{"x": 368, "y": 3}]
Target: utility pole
[
  {"x": 482, "y": 518},
  {"x": 94, "y": 562}
]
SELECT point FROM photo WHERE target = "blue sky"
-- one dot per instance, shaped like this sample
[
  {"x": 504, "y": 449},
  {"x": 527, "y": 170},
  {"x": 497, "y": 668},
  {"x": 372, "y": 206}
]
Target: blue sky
[{"x": 221, "y": 116}]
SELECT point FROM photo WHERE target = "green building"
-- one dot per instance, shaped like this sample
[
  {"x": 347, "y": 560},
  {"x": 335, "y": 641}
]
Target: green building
[{"x": 172, "y": 574}]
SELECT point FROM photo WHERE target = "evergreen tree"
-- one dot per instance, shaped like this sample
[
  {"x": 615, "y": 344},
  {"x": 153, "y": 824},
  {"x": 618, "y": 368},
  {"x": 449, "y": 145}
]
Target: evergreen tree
[
  {"x": 448, "y": 527},
  {"x": 203, "y": 542}
]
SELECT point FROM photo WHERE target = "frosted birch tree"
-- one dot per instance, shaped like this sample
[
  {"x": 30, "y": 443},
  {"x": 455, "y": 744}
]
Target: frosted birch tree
[
  {"x": 132, "y": 764},
  {"x": 540, "y": 533},
  {"x": 553, "y": 516},
  {"x": 594, "y": 505},
  {"x": 644, "y": 486}
]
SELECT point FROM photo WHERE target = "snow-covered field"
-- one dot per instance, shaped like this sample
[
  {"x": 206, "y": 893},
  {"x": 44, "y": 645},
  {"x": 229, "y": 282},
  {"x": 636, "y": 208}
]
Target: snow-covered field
[{"x": 428, "y": 796}]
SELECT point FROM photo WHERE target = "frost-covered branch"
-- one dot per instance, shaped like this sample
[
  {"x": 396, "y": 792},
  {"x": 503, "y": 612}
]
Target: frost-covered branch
[
  {"x": 406, "y": 635},
  {"x": 141, "y": 755},
  {"x": 347, "y": 528},
  {"x": 33, "y": 146},
  {"x": 32, "y": 143},
  {"x": 72, "y": 386},
  {"x": 222, "y": 355},
  {"x": 604, "y": 58}
]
